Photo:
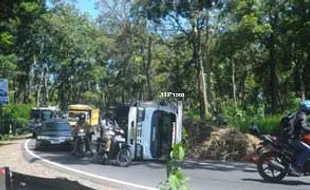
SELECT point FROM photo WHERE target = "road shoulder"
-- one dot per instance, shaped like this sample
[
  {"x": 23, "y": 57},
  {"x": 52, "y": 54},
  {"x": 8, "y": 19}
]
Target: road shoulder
[{"x": 30, "y": 174}]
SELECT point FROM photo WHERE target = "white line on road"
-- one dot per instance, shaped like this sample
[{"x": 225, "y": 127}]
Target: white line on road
[{"x": 85, "y": 173}]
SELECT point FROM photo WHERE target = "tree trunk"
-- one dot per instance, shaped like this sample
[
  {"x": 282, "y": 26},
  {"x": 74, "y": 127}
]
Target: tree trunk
[
  {"x": 46, "y": 86},
  {"x": 198, "y": 69},
  {"x": 273, "y": 77},
  {"x": 208, "y": 67},
  {"x": 202, "y": 82},
  {"x": 148, "y": 66},
  {"x": 39, "y": 89},
  {"x": 14, "y": 90},
  {"x": 273, "y": 61},
  {"x": 301, "y": 78},
  {"x": 27, "y": 83},
  {"x": 233, "y": 80}
]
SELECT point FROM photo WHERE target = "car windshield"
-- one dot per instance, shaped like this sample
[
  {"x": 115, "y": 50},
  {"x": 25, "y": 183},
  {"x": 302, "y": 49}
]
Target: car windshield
[
  {"x": 42, "y": 114},
  {"x": 55, "y": 126}
]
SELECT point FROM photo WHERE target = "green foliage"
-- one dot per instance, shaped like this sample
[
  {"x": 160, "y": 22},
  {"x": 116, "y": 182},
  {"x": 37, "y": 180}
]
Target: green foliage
[
  {"x": 4, "y": 137},
  {"x": 177, "y": 152},
  {"x": 192, "y": 114},
  {"x": 176, "y": 180},
  {"x": 185, "y": 140},
  {"x": 16, "y": 115},
  {"x": 270, "y": 123},
  {"x": 6, "y": 39},
  {"x": 124, "y": 56},
  {"x": 18, "y": 111},
  {"x": 241, "y": 117}
]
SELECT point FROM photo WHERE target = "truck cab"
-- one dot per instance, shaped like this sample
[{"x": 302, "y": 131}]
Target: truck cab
[
  {"x": 152, "y": 128},
  {"x": 39, "y": 115},
  {"x": 91, "y": 113}
]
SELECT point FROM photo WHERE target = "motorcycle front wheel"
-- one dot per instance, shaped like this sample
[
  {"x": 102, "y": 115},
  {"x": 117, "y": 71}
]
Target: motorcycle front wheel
[
  {"x": 81, "y": 149},
  {"x": 123, "y": 157},
  {"x": 267, "y": 171}
]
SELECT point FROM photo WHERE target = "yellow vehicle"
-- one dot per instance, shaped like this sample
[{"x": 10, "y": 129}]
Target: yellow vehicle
[{"x": 91, "y": 113}]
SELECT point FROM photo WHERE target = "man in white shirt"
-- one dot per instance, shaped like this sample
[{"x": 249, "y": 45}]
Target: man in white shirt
[{"x": 108, "y": 128}]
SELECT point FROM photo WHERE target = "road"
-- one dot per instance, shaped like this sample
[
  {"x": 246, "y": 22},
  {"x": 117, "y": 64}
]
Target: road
[{"x": 209, "y": 175}]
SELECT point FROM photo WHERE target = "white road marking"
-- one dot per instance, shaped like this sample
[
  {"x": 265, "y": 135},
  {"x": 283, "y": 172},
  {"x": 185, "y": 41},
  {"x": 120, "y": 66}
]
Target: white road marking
[{"x": 85, "y": 173}]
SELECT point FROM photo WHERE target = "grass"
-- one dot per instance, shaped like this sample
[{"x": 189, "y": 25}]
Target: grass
[
  {"x": 5, "y": 137},
  {"x": 267, "y": 124}
]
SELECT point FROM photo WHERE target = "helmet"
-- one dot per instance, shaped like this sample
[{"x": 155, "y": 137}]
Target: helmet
[
  {"x": 305, "y": 106},
  {"x": 82, "y": 117}
]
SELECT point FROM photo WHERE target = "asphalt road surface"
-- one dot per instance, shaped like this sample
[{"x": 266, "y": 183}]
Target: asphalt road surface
[{"x": 209, "y": 175}]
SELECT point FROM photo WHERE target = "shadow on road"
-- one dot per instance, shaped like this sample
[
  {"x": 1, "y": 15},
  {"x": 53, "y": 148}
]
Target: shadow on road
[
  {"x": 284, "y": 182},
  {"x": 64, "y": 158},
  {"x": 27, "y": 182},
  {"x": 206, "y": 165},
  {"x": 219, "y": 166},
  {"x": 151, "y": 164}
]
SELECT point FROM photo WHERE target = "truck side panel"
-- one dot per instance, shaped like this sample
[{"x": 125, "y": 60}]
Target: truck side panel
[{"x": 94, "y": 117}]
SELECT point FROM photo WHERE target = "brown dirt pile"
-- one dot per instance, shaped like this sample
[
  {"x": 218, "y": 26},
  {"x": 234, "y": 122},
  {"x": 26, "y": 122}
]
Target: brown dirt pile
[{"x": 209, "y": 141}]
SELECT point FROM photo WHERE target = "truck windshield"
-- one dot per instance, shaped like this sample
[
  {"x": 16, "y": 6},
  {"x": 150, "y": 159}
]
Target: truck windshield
[
  {"x": 74, "y": 116},
  {"x": 55, "y": 126}
]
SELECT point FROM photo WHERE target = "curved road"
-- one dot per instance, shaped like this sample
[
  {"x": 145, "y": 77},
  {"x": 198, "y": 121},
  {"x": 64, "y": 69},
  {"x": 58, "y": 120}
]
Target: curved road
[{"x": 209, "y": 175}]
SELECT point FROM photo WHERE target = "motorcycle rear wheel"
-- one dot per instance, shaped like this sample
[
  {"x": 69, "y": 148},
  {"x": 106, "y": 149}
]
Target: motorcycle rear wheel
[
  {"x": 123, "y": 157},
  {"x": 265, "y": 158}
]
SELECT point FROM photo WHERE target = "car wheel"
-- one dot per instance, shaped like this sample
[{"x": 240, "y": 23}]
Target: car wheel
[
  {"x": 37, "y": 147},
  {"x": 34, "y": 135}
]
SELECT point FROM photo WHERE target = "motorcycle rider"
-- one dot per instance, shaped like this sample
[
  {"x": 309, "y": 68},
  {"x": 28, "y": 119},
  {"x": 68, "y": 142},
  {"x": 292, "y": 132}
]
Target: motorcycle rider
[
  {"x": 82, "y": 124},
  {"x": 299, "y": 126},
  {"x": 108, "y": 128}
]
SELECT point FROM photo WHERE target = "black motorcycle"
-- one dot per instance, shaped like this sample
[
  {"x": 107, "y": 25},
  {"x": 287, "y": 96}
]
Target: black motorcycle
[
  {"x": 81, "y": 143},
  {"x": 275, "y": 156},
  {"x": 119, "y": 151}
]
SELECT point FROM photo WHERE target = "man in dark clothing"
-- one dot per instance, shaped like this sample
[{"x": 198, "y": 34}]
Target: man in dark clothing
[
  {"x": 82, "y": 124},
  {"x": 300, "y": 127}
]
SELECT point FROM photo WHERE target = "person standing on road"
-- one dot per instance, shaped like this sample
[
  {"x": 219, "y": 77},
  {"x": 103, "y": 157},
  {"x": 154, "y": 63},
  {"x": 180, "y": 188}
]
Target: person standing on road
[{"x": 82, "y": 124}]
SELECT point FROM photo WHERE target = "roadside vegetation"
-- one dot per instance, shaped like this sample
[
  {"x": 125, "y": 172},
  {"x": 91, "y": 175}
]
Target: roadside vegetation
[
  {"x": 15, "y": 117},
  {"x": 251, "y": 54}
]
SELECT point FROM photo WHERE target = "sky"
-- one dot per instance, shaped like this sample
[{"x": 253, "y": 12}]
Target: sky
[{"x": 85, "y": 6}]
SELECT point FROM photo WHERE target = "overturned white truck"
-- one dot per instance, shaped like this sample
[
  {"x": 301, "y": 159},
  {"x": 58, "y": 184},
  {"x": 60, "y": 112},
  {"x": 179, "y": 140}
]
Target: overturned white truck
[{"x": 151, "y": 128}]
